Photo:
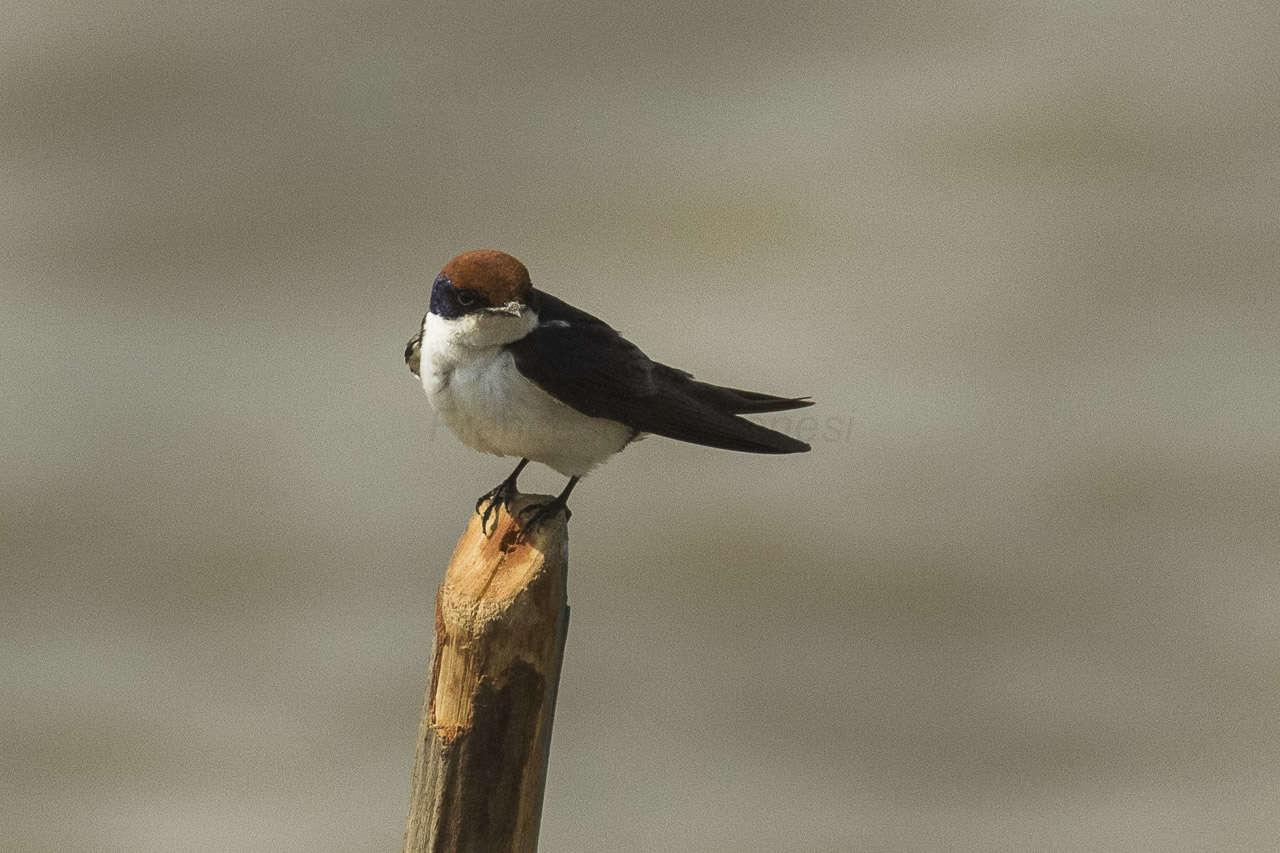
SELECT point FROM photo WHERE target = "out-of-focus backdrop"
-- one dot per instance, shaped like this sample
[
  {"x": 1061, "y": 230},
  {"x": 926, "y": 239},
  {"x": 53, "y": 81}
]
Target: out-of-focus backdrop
[{"x": 1023, "y": 594}]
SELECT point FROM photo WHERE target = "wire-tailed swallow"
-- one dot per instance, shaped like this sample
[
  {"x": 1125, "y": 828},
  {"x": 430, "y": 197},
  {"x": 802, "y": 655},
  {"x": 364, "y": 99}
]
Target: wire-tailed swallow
[{"x": 514, "y": 371}]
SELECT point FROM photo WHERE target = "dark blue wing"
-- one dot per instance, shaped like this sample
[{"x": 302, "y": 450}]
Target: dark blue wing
[{"x": 584, "y": 363}]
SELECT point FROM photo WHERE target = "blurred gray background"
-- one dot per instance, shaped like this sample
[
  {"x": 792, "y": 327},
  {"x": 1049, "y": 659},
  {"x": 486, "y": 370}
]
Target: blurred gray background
[{"x": 1023, "y": 594}]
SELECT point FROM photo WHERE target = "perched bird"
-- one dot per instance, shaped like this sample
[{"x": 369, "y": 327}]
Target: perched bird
[{"x": 514, "y": 371}]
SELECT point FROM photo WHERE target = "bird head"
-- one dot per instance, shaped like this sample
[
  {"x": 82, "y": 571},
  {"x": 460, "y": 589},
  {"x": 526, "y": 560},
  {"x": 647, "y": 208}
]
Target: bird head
[
  {"x": 481, "y": 298},
  {"x": 481, "y": 282}
]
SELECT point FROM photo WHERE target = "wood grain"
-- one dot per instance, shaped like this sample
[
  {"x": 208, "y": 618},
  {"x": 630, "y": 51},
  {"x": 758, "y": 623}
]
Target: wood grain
[{"x": 485, "y": 733}]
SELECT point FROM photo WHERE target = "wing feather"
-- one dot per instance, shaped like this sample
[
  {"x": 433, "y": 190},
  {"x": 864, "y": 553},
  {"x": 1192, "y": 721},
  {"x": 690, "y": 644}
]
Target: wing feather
[{"x": 583, "y": 362}]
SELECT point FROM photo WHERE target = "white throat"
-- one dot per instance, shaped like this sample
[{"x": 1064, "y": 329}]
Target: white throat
[{"x": 476, "y": 331}]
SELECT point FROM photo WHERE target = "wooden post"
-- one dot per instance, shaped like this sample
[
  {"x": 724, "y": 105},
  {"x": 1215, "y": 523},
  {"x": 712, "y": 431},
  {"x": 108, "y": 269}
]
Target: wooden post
[{"x": 485, "y": 734}]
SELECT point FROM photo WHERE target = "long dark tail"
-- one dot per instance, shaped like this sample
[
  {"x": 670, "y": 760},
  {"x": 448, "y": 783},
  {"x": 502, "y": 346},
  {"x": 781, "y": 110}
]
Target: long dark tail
[
  {"x": 741, "y": 402},
  {"x": 709, "y": 414}
]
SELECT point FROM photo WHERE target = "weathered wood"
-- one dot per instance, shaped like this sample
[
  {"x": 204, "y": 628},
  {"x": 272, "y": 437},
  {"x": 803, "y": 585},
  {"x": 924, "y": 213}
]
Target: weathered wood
[{"x": 485, "y": 734}]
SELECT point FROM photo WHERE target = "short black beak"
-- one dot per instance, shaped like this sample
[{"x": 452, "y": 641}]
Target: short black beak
[{"x": 511, "y": 309}]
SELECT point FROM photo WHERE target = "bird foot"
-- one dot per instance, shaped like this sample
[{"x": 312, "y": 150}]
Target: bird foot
[
  {"x": 534, "y": 514},
  {"x": 500, "y": 495}
]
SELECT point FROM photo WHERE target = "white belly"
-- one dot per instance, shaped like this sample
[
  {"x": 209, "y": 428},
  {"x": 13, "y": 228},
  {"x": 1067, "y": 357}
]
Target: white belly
[{"x": 491, "y": 407}]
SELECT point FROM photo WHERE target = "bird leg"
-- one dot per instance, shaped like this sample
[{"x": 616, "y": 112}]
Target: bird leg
[
  {"x": 534, "y": 514},
  {"x": 499, "y": 495}
]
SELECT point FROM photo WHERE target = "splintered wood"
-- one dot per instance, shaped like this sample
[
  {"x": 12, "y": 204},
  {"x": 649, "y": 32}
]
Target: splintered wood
[{"x": 483, "y": 741}]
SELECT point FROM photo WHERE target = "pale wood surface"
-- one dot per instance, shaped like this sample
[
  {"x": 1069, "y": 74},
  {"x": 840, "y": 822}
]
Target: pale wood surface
[{"x": 500, "y": 623}]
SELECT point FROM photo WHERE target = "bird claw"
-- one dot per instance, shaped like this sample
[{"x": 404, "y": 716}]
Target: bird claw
[
  {"x": 499, "y": 496},
  {"x": 534, "y": 514}
]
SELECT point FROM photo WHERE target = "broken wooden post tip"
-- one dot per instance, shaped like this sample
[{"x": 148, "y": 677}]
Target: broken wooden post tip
[{"x": 507, "y": 536}]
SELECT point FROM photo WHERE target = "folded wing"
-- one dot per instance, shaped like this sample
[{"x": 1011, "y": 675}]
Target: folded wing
[{"x": 583, "y": 362}]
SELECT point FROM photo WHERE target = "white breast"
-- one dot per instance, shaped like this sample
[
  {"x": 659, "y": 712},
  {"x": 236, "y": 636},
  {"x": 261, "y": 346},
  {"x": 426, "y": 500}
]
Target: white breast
[{"x": 473, "y": 383}]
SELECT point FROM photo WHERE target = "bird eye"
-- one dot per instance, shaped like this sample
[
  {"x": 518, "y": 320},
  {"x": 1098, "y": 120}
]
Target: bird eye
[{"x": 466, "y": 298}]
